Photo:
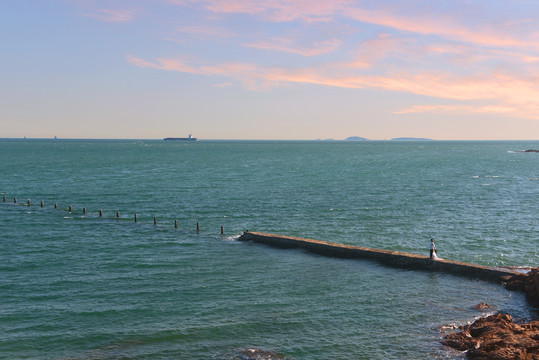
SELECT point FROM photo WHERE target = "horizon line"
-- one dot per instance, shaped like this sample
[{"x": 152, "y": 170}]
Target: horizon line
[{"x": 403, "y": 139}]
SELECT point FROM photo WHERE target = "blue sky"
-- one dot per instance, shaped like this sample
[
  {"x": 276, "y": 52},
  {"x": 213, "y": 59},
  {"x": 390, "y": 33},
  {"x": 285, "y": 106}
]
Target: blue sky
[{"x": 270, "y": 69}]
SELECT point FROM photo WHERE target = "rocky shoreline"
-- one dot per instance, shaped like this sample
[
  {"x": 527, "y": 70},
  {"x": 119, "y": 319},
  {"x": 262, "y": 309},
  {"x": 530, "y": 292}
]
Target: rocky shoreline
[{"x": 499, "y": 337}]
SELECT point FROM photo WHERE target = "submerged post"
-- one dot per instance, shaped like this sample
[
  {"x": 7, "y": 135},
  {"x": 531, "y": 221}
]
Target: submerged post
[
  {"x": 100, "y": 213},
  {"x": 155, "y": 220},
  {"x": 4, "y": 198},
  {"x": 117, "y": 214},
  {"x": 42, "y": 203},
  {"x": 14, "y": 200},
  {"x": 135, "y": 217},
  {"x": 222, "y": 230},
  {"x": 28, "y": 202},
  {"x": 198, "y": 226},
  {"x": 84, "y": 210},
  {"x": 176, "y": 223},
  {"x": 56, "y": 205},
  {"x": 70, "y": 208}
]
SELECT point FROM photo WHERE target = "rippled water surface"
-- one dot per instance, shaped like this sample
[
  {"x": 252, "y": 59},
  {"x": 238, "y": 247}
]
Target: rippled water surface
[{"x": 79, "y": 286}]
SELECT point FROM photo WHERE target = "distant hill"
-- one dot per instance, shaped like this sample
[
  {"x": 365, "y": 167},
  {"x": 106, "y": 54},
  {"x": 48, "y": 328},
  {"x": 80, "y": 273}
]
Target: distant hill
[
  {"x": 409, "y": 139},
  {"x": 356, "y": 138}
]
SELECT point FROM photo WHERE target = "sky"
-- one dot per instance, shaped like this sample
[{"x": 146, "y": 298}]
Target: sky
[{"x": 270, "y": 69}]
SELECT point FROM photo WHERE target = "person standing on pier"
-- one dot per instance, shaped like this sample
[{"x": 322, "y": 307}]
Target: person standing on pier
[{"x": 432, "y": 249}]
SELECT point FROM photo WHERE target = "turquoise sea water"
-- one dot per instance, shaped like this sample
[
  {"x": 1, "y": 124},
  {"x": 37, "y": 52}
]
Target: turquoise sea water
[{"x": 81, "y": 286}]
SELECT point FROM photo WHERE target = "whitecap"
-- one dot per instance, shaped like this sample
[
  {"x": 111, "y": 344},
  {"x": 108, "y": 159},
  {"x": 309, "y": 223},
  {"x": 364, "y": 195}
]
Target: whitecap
[{"x": 232, "y": 238}]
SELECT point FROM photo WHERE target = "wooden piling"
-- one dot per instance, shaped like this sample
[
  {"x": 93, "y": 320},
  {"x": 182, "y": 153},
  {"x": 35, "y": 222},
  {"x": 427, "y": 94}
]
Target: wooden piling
[
  {"x": 70, "y": 208},
  {"x": 14, "y": 200},
  {"x": 176, "y": 223},
  {"x": 84, "y": 210},
  {"x": 100, "y": 213},
  {"x": 42, "y": 203},
  {"x": 222, "y": 230},
  {"x": 136, "y": 217},
  {"x": 198, "y": 227},
  {"x": 56, "y": 205},
  {"x": 28, "y": 202},
  {"x": 117, "y": 214},
  {"x": 4, "y": 198},
  {"x": 155, "y": 220}
]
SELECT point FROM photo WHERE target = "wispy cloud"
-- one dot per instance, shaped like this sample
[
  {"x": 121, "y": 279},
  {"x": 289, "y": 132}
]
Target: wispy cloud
[
  {"x": 275, "y": 10},
  {"x": 289, "y": 46},
  {"x": 204, "y": 31},
  {"x": 505, "y": 94},
  {"x": 436, "y": 54},
  {"x": 445, "y": 26},
  {"x": 495, "y": 33},
  {"x": 112, "y": 16}
]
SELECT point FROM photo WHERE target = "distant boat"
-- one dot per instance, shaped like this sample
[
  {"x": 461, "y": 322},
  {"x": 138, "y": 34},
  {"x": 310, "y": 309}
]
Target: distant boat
[{"x": 190, "y": 138}]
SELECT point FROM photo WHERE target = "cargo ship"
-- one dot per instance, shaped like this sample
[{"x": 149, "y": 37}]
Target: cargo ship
[{"x": 190, "y": 138}]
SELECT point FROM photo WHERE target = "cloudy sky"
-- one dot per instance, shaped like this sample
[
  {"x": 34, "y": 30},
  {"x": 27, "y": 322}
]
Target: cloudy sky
[{"x": 270, "y": 69}]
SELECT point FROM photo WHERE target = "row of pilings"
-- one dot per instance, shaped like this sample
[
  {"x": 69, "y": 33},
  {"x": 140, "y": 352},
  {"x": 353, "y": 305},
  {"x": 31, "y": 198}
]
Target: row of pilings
[
  {"x": 70, "y": 209},
  {"x": 385, "y": 257}
]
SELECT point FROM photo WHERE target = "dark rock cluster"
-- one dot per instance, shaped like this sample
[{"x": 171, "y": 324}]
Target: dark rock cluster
[
  {"x": 529, "y": 283},
  {"x": 497, "y": 337}
]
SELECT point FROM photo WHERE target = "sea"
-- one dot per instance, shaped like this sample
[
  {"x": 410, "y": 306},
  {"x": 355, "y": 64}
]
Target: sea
[{"x": 80, "y": 285}]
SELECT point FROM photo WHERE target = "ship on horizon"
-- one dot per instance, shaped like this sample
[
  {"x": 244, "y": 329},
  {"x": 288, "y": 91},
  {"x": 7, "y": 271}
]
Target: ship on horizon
[{"x": 190, "y": 138}]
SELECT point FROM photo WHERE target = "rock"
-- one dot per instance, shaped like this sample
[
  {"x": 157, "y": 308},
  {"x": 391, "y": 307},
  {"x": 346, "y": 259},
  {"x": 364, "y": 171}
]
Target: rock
[
  {"x": 447, "y": 327},
  {"x": 497, "y": 337},
  {"x": 528, "y": 283},
  {"x": 482, "y": 306}
]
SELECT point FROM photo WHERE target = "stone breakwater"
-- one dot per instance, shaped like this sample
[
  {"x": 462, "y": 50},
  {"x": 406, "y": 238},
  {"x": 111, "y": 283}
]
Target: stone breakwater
[{"x": 385, "y": 257}]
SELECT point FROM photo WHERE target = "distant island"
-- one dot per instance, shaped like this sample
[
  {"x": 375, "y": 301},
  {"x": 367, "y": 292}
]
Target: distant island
[
  {"x": 410, "y": 139},
  {"x": 356, "y": 138}
]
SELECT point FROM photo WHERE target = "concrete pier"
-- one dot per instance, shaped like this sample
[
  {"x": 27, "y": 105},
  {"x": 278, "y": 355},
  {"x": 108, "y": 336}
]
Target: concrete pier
[{"x": 385, "y": 257}]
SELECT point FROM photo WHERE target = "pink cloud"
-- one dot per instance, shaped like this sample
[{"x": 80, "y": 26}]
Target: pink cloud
[
  {"x": 275, "y": 10},
  {"x": 288, "y": 45},
  {"x": 505, "y": 94},
  {"x": 112, "y": 16},
  {"x": 397, "y": 62},
  {"x": 206, "y": 31},
  {"x": 442, "y": 26},
  {"x": 166, "y": 64},
  {"x": 502, "y": 34}
]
